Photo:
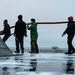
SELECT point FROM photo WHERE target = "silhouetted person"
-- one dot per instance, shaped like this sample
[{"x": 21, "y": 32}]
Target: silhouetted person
[
  {"x": 34, "y": 36},
  {"x": 70, "y": 30},
  {"x": 6, "y": 32},
  {"x": 20, "y": 32}
]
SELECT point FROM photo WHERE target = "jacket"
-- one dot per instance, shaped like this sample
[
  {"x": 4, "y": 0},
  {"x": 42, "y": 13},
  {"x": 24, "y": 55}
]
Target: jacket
[
  {"x": 33, "y": 31},
  {"x": 70, "y": 28},
  {"x": 7, "y": 31},
  {"x": 20, "y": 28}
]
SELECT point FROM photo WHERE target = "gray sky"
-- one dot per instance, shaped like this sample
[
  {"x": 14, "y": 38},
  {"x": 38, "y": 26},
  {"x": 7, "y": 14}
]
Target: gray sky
[{"x": 41, "y": 10}]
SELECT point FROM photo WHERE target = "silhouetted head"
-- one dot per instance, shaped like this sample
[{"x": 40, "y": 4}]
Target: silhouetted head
[
  {"x": 33, "y": 20},
  {"x": 5, "y": 22},
  {"x": 20, "y": 17},
  {"x": 70, "y": 18}
]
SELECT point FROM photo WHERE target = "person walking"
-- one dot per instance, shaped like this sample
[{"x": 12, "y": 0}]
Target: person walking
[
  {"x": 70, "y": 30},
  {"x": 33, "y": 35},
  {"x": 19, "y": 32},
  {"x": 6, "y": 31}
]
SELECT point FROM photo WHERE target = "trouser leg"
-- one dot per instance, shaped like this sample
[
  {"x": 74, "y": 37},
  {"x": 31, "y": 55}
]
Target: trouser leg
[
  {"x": 70, "y": 46},
  {"x": 21, "y": 44},
  {"x": 37, "y": 50},
  {"x": 17, "y": 45},
  {"x": 5, "y": 38},
  {"x": 34, "y": 47}
]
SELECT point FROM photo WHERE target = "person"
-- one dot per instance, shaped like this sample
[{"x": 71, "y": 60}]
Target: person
[
  {"x": 19, "y": 32},
  {"x": 33, "y": 35},
  {"x": 6, "y": 32},
  {"x": 70, "y": 30}
]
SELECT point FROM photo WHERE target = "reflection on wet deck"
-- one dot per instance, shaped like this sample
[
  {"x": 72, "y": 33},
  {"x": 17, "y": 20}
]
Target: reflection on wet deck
[{"x": 38, "y": 64}]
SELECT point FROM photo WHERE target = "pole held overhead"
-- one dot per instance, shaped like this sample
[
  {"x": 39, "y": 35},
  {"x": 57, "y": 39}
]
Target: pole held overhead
[{"x": 62, "y": 22}]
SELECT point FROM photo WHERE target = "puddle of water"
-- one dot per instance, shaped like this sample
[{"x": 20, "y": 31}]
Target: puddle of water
[{"x": 29, "y": 64}]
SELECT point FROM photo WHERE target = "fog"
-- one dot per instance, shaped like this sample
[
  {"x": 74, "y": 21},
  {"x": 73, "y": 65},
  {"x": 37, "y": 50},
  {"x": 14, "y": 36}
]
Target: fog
[{"x": 41, "y": 10}]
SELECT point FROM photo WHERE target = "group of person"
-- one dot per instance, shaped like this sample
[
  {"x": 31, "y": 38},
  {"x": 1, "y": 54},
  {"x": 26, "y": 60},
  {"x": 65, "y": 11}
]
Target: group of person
[{"x": 21, "y": 31}]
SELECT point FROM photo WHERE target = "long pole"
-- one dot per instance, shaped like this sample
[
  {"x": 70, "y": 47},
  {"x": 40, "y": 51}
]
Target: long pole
[
  {"x": 52, "y": 22},
  {"x": 62, "y": 22}
]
